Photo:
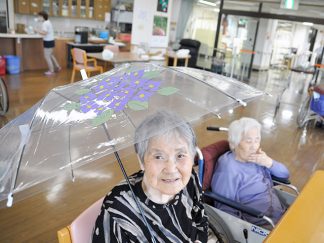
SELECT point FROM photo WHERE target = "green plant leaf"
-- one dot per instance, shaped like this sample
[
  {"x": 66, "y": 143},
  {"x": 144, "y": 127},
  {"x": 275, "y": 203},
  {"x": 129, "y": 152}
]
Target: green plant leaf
[
  {"x": 137, "y": 105},
  {"x": 151, "y": 74},
  {"x": 72, "y": 106},
  {"x": 102, "y": 118},
  {"x": 82, "y": 91},
  {"x": 167, "y": 90}
]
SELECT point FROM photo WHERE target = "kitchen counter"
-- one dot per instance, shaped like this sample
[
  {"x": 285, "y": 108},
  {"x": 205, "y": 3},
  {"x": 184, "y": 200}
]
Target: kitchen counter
[
  {"x": 29, "y": 36},
  {"x": 30, "y": 49}
]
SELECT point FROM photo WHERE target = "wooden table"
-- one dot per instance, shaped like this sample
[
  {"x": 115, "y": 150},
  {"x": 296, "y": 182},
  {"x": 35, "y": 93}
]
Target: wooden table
[
  {"x": 118, "y": 58},
  {"x": 175, "y": 59},
  {"x": 304, "y": 220}
]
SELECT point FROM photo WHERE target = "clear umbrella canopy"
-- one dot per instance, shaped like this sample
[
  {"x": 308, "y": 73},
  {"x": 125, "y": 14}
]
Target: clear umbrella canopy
[{"x": 82, "y": 122}]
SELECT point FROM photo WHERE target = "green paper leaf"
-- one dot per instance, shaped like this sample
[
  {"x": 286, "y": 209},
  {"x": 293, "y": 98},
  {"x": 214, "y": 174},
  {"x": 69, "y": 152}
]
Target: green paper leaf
[
  {"x": 72, "y": 106},
  {"x": 167, "y": 90},
  {"x": 151, "y": 74},
  {"x": 102, "y": 118},
  {"x": 137, "y": 105},
  {"x": 82, "y": 91}
]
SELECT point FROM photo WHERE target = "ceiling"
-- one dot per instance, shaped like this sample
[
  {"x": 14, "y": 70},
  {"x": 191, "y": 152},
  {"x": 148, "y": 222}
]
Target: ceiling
[{"x": 301, "y": 2}]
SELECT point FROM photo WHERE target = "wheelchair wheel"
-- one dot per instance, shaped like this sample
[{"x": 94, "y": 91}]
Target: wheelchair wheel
[
  {"x": 303, "y": 111},
  {"x": 4, "y": 102},
  {"x": 218, "y": 227}
]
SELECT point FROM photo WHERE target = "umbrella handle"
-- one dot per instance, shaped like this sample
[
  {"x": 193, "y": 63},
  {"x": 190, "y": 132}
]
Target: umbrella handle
[
  {"x": 200, "y": 165},
  {"x": 218, "y": 129},
  {"x": 10, "y": 200}
]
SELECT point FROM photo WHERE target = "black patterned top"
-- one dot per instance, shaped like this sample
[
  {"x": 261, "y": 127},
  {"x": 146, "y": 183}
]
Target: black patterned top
[{"x": 183, "y": 219}]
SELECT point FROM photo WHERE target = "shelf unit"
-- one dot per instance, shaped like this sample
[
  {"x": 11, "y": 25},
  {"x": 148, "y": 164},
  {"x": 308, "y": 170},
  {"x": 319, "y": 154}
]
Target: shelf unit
[{"x": 88, "y": 9}]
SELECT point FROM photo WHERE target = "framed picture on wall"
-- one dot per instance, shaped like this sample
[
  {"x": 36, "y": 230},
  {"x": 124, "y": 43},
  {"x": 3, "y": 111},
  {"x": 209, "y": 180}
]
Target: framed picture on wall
[
  {"x": 162, "y": 6},
  {"x": 160, "y": 25}
]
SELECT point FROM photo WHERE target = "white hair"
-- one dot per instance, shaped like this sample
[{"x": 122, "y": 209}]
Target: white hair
[
  {"x": 238, "y": 128},
  {"x": 166, "y": 124}
]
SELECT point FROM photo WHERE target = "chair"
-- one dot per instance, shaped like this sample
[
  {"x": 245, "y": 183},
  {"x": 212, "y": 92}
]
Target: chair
[
  {"x": 193, "y": 46},
  {"x": 80, "y": 61},
  {"x": 231, "y": 227},
  {"x": 80, "y": 230}
]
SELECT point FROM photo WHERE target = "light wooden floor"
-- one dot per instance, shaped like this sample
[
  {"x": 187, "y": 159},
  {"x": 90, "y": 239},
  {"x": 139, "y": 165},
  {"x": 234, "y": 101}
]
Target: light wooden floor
[{"x": 37, "y": 218}]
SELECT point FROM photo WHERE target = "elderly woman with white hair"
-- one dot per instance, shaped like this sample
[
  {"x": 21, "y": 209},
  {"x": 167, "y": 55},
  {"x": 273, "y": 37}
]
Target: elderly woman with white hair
[
  {"x": 166, "y": 187},
  {"x": 244, "y": 173}
]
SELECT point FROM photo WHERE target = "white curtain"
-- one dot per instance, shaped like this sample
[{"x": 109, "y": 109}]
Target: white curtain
[{"x": 186, "y": 9}]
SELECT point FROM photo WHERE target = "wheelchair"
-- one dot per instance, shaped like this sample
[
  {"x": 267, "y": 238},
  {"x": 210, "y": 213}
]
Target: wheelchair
[
  {"x": 227, "y": 227},
  {"x": 312, "y": 107},
  {"x": 4, "y": 101}
]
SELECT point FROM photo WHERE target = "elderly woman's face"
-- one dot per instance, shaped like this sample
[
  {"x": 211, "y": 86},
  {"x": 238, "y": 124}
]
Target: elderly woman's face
[
  {"x": 167, "y": 166},
  {"x": 248, "y": 145}
]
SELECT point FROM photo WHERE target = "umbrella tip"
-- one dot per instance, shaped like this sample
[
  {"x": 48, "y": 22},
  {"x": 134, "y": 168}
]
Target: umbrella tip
[{"x": 10, "y": 200}]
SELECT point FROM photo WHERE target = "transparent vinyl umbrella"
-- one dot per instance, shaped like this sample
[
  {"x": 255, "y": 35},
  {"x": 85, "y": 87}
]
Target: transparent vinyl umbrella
[{"x": 84, "y": 121}]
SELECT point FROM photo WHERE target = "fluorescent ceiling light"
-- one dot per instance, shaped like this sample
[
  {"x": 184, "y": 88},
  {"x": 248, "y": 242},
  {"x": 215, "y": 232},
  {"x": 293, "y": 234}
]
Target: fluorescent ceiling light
[
  {"x": 207, "y": 3},
  {"x": 308, "y": 23}
]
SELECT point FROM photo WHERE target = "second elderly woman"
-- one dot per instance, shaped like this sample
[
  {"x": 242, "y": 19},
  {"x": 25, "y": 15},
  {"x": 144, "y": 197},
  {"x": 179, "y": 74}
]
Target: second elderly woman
[
  {"x": 244, "y": 173},
  {"x": 167, "y": 188}
]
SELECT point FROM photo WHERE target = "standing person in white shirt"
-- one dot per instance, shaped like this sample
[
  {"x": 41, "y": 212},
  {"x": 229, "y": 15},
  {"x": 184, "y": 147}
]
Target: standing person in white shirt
[{"x": 49, "y": 43}]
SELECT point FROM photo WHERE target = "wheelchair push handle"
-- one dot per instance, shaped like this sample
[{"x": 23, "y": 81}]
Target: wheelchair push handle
[{"x": 217, "y": 129}]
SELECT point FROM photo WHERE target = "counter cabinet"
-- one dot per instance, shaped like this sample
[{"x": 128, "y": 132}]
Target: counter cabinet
[{"x": 30, "y": 49}]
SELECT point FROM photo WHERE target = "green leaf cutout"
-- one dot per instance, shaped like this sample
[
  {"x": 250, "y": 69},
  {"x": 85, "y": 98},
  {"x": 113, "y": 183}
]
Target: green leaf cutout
[
  {"x": 167, "y": 90},
  {"x": 72, "y": 106},
  {"x": 137, "y": 105},
  {"x": 102, "y": 118},
  {"x": 151, "y": 74},
  {"x": 82, "y": 91}
]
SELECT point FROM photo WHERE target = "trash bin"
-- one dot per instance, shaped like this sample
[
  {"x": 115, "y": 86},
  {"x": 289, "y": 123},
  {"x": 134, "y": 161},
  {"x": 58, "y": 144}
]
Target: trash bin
[
  {"x": 2, "y": 65},
  {"x": 13, "y": 64}
]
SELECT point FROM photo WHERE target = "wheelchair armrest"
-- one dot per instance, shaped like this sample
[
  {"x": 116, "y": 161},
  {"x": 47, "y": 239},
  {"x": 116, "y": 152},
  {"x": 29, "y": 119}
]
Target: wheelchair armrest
[
  {"x": 280, "y": 181},
  {"x": 233, "y": 204}
]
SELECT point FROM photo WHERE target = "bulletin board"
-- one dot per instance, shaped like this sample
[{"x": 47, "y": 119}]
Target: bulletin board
[{"x": 151, "y": 22}]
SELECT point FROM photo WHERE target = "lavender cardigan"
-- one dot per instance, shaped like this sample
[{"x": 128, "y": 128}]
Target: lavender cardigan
[{"x": 249, "y": 184}]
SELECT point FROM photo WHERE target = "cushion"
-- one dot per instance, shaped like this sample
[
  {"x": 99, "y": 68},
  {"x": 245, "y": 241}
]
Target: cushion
[{"x": 211, "y": 154}]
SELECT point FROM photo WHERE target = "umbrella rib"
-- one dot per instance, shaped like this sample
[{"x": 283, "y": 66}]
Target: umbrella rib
[
  {"x": 10, "y": 196},
  {"x": 129, "y": 185},
  {"x": 71, "y": 166}
]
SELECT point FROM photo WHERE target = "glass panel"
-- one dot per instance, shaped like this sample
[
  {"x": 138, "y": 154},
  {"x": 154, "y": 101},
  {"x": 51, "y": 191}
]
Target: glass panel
[
  {"x": 237, "y": 38},
  {"x": 91, "y": 2},
  {"x": 83, "y": 12},
  {"x": 202, "y": 27},
  {"x": 55, "y": 7},
  {"x": 46, "y": 6},
  {"x": 65, "y": 8},
  {"x": 74, "y": 8}
]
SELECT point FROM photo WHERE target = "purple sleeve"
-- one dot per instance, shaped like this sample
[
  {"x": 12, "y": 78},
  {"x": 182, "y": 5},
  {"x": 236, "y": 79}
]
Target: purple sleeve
[
  {"x": 279, "y": 170},
  {"x": 226, "y": 183}
]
